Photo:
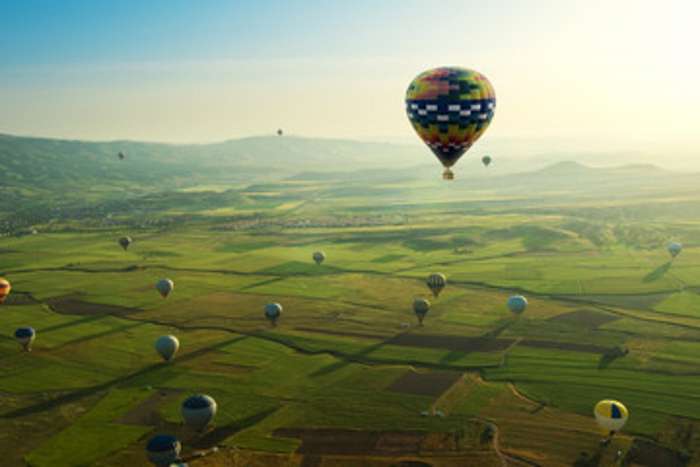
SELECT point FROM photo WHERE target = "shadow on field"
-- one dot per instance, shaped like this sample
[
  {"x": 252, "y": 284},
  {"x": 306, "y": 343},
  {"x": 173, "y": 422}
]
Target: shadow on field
[
  {"x": 218, "y": 434},
  {"x": 494, "y": 333},
  {"x": 98, "y": 335},
  {"x": 77, "y": 322},
  {"x": 79, "y": 394},
  {"x": 657, "y": 273},
  {"x": 347, "y": 361}
]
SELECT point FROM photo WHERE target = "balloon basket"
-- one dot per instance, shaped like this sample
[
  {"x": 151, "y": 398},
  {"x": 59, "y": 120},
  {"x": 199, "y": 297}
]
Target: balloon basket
[{"x": 448, "y": 175}]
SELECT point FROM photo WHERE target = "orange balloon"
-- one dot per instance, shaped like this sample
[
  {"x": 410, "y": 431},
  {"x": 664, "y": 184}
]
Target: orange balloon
[{"x": 5, "y": 288}]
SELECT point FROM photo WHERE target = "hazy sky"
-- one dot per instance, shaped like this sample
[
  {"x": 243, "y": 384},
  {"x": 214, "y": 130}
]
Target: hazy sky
[{"x": 592, "y": 71}]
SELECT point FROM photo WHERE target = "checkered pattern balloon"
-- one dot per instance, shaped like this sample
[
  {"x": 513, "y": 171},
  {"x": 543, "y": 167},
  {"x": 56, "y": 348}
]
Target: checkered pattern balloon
[{"x": 450, "y": 108}]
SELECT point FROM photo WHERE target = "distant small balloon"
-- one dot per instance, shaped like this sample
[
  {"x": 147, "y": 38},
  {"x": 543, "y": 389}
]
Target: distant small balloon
[
  {"x": 25, "y": 337},
  {"x": 279, "y": 132},
  {"x": 124, "y": 242},
  {"x": 273, "y": 311},
  {"x": 163, "y": 450},
  {"x": 611, "y": 415},
  {"x": 5, "y": 288},
  {"x": 121, "y": 156},
  {"x": 517, "y": 304},
  {"x": 421, "y": 307},
  {"x": 167, "y": 347},
  {"x": 198, "y": 411},
  {"x": 486, "y": 160},
  {"x": 674, "y": 249},
  {"x": 319, "y": 257},
  {"x": 164, "y": 287},
  {"x": 436, "y": 282}
]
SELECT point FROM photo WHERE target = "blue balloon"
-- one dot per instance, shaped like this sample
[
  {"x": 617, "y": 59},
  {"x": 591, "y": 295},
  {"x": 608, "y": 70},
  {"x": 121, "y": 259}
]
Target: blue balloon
[
  {"x": 517, "y": 304},
  {"x": 23, "y": 333}
]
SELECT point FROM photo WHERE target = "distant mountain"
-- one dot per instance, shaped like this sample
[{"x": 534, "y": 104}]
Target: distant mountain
[
  {"x": 49, "y": 163},
  {"x": 39, "y": 174}
]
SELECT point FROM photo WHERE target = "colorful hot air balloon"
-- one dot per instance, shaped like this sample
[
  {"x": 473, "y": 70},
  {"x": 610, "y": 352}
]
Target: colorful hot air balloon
[
  {"x": 319, "y": 257},
  {"x": 124, "y": 242},
  {"x": 674, "y": 248},
  {"x": 421, "y": 307},
  {"x": 436, "y": 282},
  {"x": 198, "y": 411},
  {"x": 163, "y": 450},
  {"x": 164, "y": 287},
  {"x": 273, "y": 312},
  {"x": 517, "y": 304},
  {"x": 450, "y": 108},
  {"x": 25, "y": 337},
  {"x": 486, "y": 160},
  {"x": 611, "y": 415},
  {"x": 167, "y": 347},
  {"x": 5, "y": 288}
]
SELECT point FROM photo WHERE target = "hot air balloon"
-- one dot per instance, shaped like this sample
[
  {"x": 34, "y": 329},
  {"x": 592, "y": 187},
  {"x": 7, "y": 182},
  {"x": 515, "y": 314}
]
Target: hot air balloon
[
  {"x": 124, "y": 242},
  {"x": 319, "y": 257},
  {"x": 421, "y": 307},
  {"x": 674, "y": 249},
  {"x": 198, "y": 411},
  {"x": 121, "y": 156},
  {"x": 279, "y": 132},
  {"x": 450, "y": 108},
  {"x": 164, "y": 287},
  {"x": 611, "y": 415},
  {"x": 5, "y": 288},
  {"x": 25, "y": 337},
  {"x": 273, "y": 312},
  {"x": 486, "y": 160},
  {"x": 163, "y": 450},
  {"x": 517, "y": 304},
  {"x": 436, "y": 282},
  {"x": 167, "y": 347}
]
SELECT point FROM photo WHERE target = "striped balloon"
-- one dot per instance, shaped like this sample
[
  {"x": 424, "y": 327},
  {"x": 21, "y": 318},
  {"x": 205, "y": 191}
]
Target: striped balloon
[
  {"x": 450, "y": 108},
  {"x": 436, "y": 282}
]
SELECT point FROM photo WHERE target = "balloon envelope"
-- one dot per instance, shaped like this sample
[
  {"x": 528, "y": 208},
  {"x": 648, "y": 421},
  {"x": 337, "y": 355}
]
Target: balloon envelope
[
  {"x": 450, "y": 108},
  {"x": 421, "y": 307},
  {"x": 198, "y": 411},
  {"x": 517, "y": 304},
  {"x": 164, "y": 287},
  {"x": 167, "y": 346},
  {"x": 611, "y": 415},
  {"x": 436, "y": 282},
  {"x": 273, "y": 312},
  {"x": 124, "y": 242},
  {"x": 486, "y": 160},
  {"x": 25, "y": 337},
  {"x": 319, "y": 257},
  {"x": 5, "y": 288},
  {"x": 163, "y": 450},
  {"x": 674, "y": 248}
]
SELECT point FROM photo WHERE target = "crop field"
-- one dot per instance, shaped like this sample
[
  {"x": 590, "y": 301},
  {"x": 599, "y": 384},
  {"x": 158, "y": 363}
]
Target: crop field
[{"x": 347, "y": 376}]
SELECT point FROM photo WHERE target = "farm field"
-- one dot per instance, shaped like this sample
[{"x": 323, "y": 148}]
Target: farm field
[{"x": 347, "y": 377}]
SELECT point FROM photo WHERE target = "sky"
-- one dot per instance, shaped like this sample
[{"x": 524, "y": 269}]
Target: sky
[{"x": 598, "y": 73}]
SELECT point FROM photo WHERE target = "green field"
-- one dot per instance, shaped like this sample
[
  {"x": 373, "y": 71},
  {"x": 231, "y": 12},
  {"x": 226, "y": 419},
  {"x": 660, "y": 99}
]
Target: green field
[{"x": 596, "y": 275}]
